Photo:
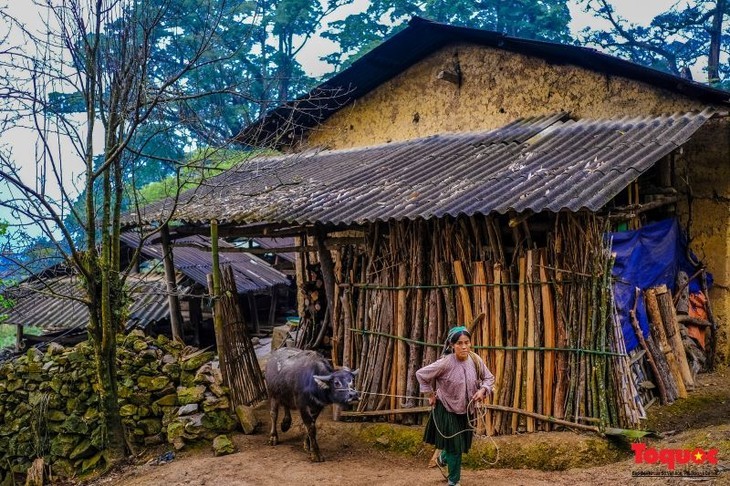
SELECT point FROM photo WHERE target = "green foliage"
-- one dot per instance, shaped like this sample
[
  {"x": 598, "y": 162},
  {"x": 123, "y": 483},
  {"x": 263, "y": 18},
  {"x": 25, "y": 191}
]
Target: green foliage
[
  {"x": 7, "y": 334},
  {"x": 359, "y": 33}
]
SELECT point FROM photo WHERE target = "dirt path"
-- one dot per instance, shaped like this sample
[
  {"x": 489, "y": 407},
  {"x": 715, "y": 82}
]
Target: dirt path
[{"x": 351, "y": 462}]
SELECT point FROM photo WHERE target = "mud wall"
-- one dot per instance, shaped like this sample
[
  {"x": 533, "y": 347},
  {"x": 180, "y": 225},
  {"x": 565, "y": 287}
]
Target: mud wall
[
  {"x": 497, "y": 87},
  {"x": 702, "y": 175}
]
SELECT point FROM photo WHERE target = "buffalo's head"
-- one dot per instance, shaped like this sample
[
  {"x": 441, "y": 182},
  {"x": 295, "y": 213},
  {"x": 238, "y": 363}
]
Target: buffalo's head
[{"x": 341, "y": 385}]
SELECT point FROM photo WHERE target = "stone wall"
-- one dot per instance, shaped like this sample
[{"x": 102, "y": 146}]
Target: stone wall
[{"x": 49, "y": 407}]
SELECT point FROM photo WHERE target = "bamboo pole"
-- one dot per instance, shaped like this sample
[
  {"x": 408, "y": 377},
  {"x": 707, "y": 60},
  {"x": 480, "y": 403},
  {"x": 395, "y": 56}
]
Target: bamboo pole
[
  {"x": 402, "y": 331},
  {"x": 521, "y": 330},
  {"x": 530, "y": 384}
]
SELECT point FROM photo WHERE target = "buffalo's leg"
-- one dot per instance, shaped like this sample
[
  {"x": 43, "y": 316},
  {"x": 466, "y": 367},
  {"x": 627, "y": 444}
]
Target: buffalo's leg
[
  {"x": 274, "y": 412},
  {"x": 309, "y": 417},
  {"x": 286, "y": 422}
]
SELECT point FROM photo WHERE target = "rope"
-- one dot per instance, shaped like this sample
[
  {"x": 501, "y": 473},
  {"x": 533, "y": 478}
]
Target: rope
[
  {"x": 506, "y": 348},
  {"x": 473, "y": 421},
  {"x": 478, "y": 413},
  {"x": 365, "y": 286}
]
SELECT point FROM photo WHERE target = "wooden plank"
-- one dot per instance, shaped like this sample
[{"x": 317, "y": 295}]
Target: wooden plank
[
  {"x": 657, "y": 329},
  {"x": 671, "y": 327},
  {"x": 549, "y": 338},
  {"x": 520, "y": 339},
  {"x": 464, "y": 298}
]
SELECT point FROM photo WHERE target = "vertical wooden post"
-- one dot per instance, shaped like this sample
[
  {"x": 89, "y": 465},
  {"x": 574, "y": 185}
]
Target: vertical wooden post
[
  {"x": 254, "y": 313},
  {"x": 172, "y": 298},
  {"x": 18, "y": 338},
  {"x": 216, "y": 294},
  {"x": 196, "y": 317},
  {"x": 274, "y": 304}
]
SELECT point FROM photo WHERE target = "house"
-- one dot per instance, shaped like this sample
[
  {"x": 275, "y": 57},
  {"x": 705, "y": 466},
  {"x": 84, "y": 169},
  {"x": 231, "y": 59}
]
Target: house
[{"x": 453, "y": 175}]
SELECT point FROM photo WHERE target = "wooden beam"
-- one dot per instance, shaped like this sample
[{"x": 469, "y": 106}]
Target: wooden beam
[{"x": 170, "y": 280}]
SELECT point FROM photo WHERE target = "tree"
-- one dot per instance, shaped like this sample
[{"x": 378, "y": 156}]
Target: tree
[
  {"x": 248, "y": 66},
  {"x": 674, "y": 41},
  {"x": 358, "y": 33},
  {"x": 101, "y": 52}
]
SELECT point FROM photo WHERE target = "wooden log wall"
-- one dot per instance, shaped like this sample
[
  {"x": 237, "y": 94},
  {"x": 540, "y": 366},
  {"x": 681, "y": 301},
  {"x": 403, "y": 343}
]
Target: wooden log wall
[{"x": 540, "y": 308}]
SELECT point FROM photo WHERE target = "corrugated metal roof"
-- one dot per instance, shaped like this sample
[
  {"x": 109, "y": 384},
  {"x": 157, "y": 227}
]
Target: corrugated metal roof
[
  {"x": 423, "y": 37},
  {"x": 192, "y": 258},
  {"x": 50, "y": 304},
  {"x": 275, "y": 243},
  {"x": 543, "y": 163}
]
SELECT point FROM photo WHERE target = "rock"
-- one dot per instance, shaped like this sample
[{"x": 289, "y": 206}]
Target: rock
[
  {"x": 167, "y": 401},
  {"x": 91, "y": 463},
  {"x": 151, "y": 426},
  {"x": 220, "y": 421},
  {"x": 193, "y": 394},
  {"x": 128, "y": 410},
  {"x": 188, "y": 409},
  {"x": 35, "y": 474},
  {"x": 84, "y": 449},
  {"x": 76, "y": 425},
  {"x": 63, "y": 468},
  {"x": 247, "y": 419},
  {"x": 196, "y": 360},
  {"x": 63, "y": 444},
  {"x": 178, "y": 443},
  {"x": 222, "y": 446},
  {"x": 213, "y": 402},
  {"x": 174, "y": 430}
]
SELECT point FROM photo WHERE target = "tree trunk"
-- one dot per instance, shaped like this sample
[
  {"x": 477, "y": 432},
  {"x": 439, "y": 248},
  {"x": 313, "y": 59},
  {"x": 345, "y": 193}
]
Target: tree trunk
[{"x": 713, "y": 58}]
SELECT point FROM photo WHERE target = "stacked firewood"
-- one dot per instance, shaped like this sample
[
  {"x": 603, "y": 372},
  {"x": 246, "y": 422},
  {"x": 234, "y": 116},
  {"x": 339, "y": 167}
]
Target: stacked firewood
[
  {"x": 541, "y": 314},
  {"x": 669, "y": 351},
  {"x": 314, "y": 322}
]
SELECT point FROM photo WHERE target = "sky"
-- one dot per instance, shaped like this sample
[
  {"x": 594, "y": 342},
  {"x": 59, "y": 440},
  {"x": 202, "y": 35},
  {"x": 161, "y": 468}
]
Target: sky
[{"x": 24, "y": 142}]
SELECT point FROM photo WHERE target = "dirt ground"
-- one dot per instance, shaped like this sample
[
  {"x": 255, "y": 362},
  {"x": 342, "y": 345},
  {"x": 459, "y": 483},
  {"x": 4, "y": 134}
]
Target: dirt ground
[{"x": 702, "y": 420}]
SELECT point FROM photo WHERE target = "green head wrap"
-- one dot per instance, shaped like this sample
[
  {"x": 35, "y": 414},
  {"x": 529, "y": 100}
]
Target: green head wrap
[{"x": 456, "y": 331}]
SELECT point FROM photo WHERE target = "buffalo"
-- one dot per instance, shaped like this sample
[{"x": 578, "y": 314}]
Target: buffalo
[{"x": 306, "y": 381}]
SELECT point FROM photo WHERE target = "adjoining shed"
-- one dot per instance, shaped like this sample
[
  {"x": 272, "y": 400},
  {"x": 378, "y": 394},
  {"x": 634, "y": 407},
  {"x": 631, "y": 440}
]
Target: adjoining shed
[
  {"x": 262, "y": 289},
  {"x": 486, "y": 202},
  {"x": 55, "y": 305}
]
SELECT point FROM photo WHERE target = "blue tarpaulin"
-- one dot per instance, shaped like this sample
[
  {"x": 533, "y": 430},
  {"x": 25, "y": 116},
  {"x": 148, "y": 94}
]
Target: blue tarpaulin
[{"x": 645, "y": 258}]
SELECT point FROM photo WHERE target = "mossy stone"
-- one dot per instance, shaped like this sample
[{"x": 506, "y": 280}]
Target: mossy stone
[
  {"x": 84, "y": 449},
  {"x": 222, "y": 446},
  {"x": 91, "y": 463},
  {"x": 167, "y": 401},
  {"x": 197, "y": 361},
  {"x": 127, "y": 410},
  {"x": 174, "y": 430},
  {"x": 219, "y": 420},
  {"x": 192, "y": 394},
  {"x": 63, "y": 444},
  {"x": 151, "y": 426},
  {"x": 76, "y": 425}
]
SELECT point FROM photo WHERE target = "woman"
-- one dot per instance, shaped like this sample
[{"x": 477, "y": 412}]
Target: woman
[{"x": 452, "y": 383}]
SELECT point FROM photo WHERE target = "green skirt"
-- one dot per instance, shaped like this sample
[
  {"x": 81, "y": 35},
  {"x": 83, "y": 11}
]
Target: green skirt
[{"x": 448, "y": 431}]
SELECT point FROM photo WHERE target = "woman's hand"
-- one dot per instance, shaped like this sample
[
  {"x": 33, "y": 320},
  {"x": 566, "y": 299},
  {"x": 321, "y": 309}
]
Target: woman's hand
[
  {"x": 432, "y": 399},
  {"x": 479, "y": 395}
]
